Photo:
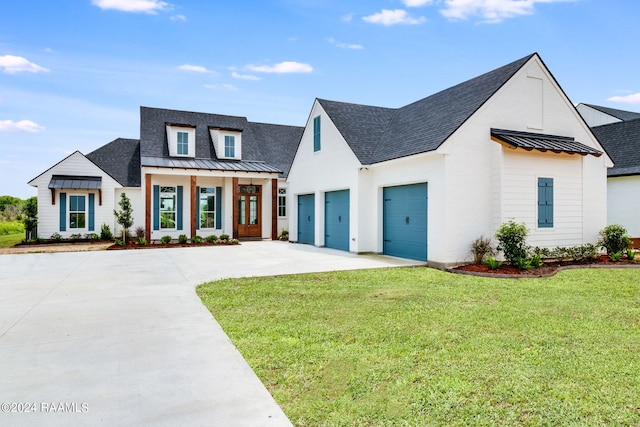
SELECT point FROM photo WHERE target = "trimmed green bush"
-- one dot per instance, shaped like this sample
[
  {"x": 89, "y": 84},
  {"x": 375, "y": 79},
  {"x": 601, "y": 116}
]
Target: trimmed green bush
[
  {"x": 212, "y": 238},
  {"x": 492, "y": 263},
  {"x": 614, "y": 238},
  {"x": 182, "y": 239},
  {"x": 165, "y": 240},
  {"x": 224, "y": 237},
  {"x": 512, "y": 240},
  {"x": 105, "y": 232},
  {"x": 197, "y": 240}
]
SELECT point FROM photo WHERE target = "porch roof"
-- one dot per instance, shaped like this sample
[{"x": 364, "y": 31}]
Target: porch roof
[
  {"x": 76, "y": 182},
  {"x": 534, "y": 141},
  {"x": 209, "y": 164}
]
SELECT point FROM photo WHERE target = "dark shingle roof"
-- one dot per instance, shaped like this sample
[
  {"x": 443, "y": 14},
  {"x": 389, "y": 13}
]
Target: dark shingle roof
[
  {"x": 621, "y": 140},
  {"x": 418, "y": 127},
  {"x": 273, "y": 144},
  {"x": 618, "y": 114},
  {"x": 120, "y": 159},
  {"x": 540, "y": 142}
]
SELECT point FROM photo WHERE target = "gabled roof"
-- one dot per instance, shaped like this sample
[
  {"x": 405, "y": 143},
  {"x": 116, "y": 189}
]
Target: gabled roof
[
  {"x": 613, "y": 112},
  {"x": 120, "y": 159},
  {"x": 261, "y": 142},
  {"x": 418, "y": 127},
  {"x": 540, "y": 142},
  {"x": 622, "y": 142}
]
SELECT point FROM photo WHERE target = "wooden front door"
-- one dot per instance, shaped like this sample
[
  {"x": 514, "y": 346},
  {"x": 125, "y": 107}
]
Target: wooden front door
[{"x": 249, "y": 211}]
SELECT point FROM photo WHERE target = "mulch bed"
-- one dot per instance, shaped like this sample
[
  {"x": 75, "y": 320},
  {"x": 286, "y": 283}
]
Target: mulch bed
[
  {"x": 547, "y": 269},
  {"x": 135, "y": 245}
]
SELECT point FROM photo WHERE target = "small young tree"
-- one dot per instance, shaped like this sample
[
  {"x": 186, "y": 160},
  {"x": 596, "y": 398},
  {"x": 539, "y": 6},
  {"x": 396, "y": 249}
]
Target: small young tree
[
  {"x": 512, "y": 238},
  {"x": 30, "y": 218},
  {"x": 124, "y": 217}
]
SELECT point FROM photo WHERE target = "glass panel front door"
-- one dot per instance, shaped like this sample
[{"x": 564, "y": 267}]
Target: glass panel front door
[{"x": 249, "y": 211}]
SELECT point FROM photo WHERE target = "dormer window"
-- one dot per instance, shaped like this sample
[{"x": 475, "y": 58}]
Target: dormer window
[
  {"x": 183, "y": 144},
  {"x": 230, "y": 146},
  {"x": 181, "y": 140},
  {"x": 227, "y": 143}
]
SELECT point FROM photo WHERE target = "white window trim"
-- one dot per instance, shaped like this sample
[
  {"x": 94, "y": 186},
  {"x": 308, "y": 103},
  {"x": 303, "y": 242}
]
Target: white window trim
[
  {"x": 172, "y": 138},
  {"x": 282, "y": 193},
  {"x": 217, "y": 137},
  {"x": 69, "y": 212},
  {"x": 215, "y": 213}
]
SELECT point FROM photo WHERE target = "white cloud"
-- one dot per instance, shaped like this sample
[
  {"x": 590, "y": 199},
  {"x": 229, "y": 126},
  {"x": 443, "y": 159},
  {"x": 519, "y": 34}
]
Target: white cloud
[
  {"x": 492, "y": 11},
  {"x": 281, "y": 68},
  {"x": 344, "y": 45},
  {"x": 16, "y": 64},
  {"x": 21, "y": 126},
  {"x": 135, "y": 6},
  {"x": 237, "y": 75},
  {"x": 223, "y": 86},
  {"x": 180, "y": 18},
  {"x": 627, "y": 99},
  {"x": 193, "y": 68},
  {"x": 416, "y": 3},
  {"x": 393, "y": 17}
]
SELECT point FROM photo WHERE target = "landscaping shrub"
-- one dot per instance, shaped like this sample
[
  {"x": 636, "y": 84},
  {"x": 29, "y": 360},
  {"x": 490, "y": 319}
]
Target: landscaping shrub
[
  {"x": 614, "y": 238},
  {"x": 139, "y": 232},
  {"x": 56, "y": 236},
  {"x": 512, "y": 240},
  {"x": 284, "y": 235},
  {"x": 212, "y": 238},
  {"x": 631, "y": 254},
  {"x": 481, "y": 248},
  {"x": 492, "y": 263},
  {"x": 165, "y": 240},
  {"x": 224, "y": 237},
  {"x": 536, "y": 261},
  {"x": 13, "y": 227},
  {"x": 105, "y": 232},
  {"x": 182, "y": 239},
  {"x": 75, "y": 236},
  {"x": 92, "y": 236},
  {"x": 142, "y": 241},
  {"x": 615, "y": 256},
  {"x": 197, "y": 240}
]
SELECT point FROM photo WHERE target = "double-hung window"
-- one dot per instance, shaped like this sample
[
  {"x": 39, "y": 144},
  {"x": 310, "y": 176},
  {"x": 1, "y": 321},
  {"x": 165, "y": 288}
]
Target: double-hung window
[
  {"x": 282, "y": 202},
  {"x": 316, "y": 134},
  {"x": 77, "y": 212},
  {"x": 207, "y": 207},
  {"x": 183, "y": 143},
  {"x": 168, "y": 207},
  {"x": 229, "y": 146},
  {"x": 545, "y": 202}
]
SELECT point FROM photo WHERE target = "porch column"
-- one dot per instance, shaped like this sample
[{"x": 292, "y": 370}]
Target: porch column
[
  {"x": 194, "y": 206},
  {"x": 235, "y": 207},
  {"x": 274, "y": 209},
  {"x": 147, "y": 207}
]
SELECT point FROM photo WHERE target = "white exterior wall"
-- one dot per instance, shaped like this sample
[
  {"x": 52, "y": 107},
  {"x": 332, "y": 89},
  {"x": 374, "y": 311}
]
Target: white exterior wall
[
  {"x": 49, "y": 215},
  {"x": 594, "y": 117},
  {"x": 137, "y": 204},
  {"x": 334, "y": 167},
  {"x": 624, "y": 203}
]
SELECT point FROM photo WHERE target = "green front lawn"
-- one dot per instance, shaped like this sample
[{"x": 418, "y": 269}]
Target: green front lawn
[
  {"x": 416, "y": 347},
  {"x": 8, "y": 240}
]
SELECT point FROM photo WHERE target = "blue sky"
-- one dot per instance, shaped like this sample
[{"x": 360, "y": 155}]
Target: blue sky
[{"x": 73, "y": 77}]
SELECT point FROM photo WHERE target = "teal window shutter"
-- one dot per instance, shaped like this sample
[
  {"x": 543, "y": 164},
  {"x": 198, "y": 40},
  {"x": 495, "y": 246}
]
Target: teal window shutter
[
  {"x": 316, "y": 134},
  {"x": 63, "y": 211},
  {"x": 156, "y": 207},
  {"x": 197, "y": 213},
  {"x": 545, "y": 202},
  {"x": 92, "y": 212},
  {"x": 179, "y": 202},
  {"x": 219, "y": 208}
]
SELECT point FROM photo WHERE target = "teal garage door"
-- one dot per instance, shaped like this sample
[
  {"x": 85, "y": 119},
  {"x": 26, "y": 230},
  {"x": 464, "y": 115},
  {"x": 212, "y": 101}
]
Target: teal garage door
[
  {"x": 336, "y": 220},
  {"x": 306, "y": 219},
  {"x": 404, "y": 221}
]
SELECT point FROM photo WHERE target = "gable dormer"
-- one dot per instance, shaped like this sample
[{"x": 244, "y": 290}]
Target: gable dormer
[
  {"x": 181, "y": 140},
  {"x": 227, "y": 143}
]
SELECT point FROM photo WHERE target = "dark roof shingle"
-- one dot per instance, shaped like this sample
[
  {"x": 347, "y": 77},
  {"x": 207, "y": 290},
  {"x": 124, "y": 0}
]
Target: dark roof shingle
[
  {"x": 621, "y": 140},
  {"x": 119, "y": 158}
]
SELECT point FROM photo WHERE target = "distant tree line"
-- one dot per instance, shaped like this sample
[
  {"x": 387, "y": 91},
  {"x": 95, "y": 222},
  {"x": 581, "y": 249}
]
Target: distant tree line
[{"x": 25, "y": 211}]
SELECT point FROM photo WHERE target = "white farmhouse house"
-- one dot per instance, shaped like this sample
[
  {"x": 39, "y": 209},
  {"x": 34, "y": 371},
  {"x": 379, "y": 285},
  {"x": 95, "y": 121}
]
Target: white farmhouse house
[
  {"x": 424, "y": 180},
  {"x": 189, "y": 173},
  {"x": 621, "y": 140}
]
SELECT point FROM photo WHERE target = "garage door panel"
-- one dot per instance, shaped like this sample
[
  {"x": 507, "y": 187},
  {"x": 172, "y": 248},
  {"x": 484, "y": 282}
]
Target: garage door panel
[
  {"x": 337, "y": 220},
  {"x": 306, "y": 219},
  {"x": 405, "y": 221}
]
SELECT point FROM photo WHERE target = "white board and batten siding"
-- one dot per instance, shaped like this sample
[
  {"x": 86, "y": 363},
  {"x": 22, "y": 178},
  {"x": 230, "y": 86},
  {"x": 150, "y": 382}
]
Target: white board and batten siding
[
  {"x": 49, "y": 214},
  {"x": 624, "y": 203}
]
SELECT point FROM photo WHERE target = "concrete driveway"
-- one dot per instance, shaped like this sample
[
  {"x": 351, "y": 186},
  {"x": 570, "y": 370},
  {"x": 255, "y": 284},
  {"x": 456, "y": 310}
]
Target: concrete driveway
[{"x": 121, "y": 338}]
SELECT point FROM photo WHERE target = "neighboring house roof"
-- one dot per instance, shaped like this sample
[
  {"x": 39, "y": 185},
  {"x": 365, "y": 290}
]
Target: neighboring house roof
[
  {"x": 261, "y": 142},
  {"x": 535, "y": 141},
  {"x": 613, "y": 112},
  {"x": 120, "y": 159},
  {"x": 418, "y": 127},
  {"x": 622, "y": 142}
]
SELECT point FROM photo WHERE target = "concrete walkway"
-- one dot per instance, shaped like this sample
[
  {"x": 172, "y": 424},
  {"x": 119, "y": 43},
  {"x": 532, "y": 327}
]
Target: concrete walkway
[{"x": 120, "y": 337}]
